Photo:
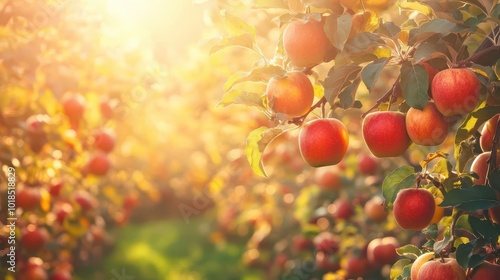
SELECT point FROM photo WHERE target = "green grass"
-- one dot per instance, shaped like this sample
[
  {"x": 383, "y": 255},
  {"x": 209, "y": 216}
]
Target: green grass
[{"x": 172, "y": 250}]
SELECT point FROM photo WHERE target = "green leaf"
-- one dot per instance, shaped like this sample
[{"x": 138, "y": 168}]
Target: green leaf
[
  {"x": 497, "y": 65},
  {"x": 494, "y": 178},
  {"x": 409, "y": 251},
  {"x": 463, "y": 254},
  {"x": 477, "y": 4},
  {"x": 347, "y": 95},
  {"x": 371, "y": 72},
  {"x": 414, "y": 84},
  {"x": 363, "y": 42},
  {"x": 257, "y": 142},
  {"x": 476, "y": 260},
  {"x": 236, "y": 26},
  {"x": 430, "y": 50},
  {"x": 342, "y": 28},
  {"x": 470, "y": 125},
  {"x": 415, "y": 6},
  {"x": 435, "y": 26},
  {"x": 389, "y": 29},
  {"x": 398, "y": 267},
  {"x": 258, "y": 74},
  {"x": 431, "y": 231},
  {"x": 484, "y": 229},
  {"x": 463, "y": 224},
  {"x": 401, "y": 178},
  {"x": 338, "y": 78},
  {"x": 443, "y": 167},
  {"x": 495, "y": 12},
  {"x": 470, "y": 199},
  {"x": 234, "y": 97},
  {"x": 442, "y": 244},
  {"x": 244, "y": 40}
]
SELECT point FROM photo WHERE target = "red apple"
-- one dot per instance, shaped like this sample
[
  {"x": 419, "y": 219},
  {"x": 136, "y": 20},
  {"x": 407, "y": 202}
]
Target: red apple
[
  {"x": 34, "y": 238},
  {"x": 487, "y": 134},
  {"x": 62, "y": 210},
  {"x": 485, "y": 271},
  {"x": 426, "y": 127},
  {"x": 455, "y": 91},
  {"x": 99, "y": 164},
  {"x": 382, "y": 251},
  {"x": 480, "y": 166},
  {"x": 342, "y": 209},
  {"x": 414, "y": 208},
  {"x": 301, "y": 243},
  {"x": 441, "y": 270},
  {"x": 33, "y": 270},
  {"x": 28, "y": 197},
  {"x": 104, "y": 140},
  {"x": 367, "y": 165},
  {"x": 36, "y": 137},
  {"x": 327, "y": 242},
  {"x": 415, "y": 267},
  {"x": 374, "y": 210},
  {"x": 357, "y": 266},
  {"x": 292, "y": 94},
  {"x": 385, "y": 133},
  {"x": 106, "y": 109},
  {"x": 55, "y": 188},
  {"x": 328, "y": 178},
  {"x": 85, "y": 200},
  {"x": 74, "y": 106},
  {"x": 305, "y": 42},
  {"x": 323, "y": 142}
]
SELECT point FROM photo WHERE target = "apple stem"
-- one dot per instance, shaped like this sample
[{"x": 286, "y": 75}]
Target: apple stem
[
  {"x": 388, "y": 96},
  {"x": 300, "y": 120},
  {"x": 492, "y": 161}
]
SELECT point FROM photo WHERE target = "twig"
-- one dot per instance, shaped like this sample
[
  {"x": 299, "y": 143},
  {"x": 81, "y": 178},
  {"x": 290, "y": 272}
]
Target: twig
[
  {"x": 486, "y": 53},
  {"x": 384, "y": 98},
  {"x": 299, "y": 120}
]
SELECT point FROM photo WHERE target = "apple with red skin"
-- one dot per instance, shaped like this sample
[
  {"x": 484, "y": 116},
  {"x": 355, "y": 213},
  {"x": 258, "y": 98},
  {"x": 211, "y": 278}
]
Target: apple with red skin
[
  {"x": 374, "y": 210},
  {"x": 74, "y": 107},
  {"x": 292, "y": 94},
  {"x": 34, "y": 238},
  {"x": 441, "y": 270},
  {"x": 415, "y": 267},
  {"x": 488, "y": 133},
  {"x": 106, "y": 109},
  {"x": 98, "y": 164},
  {"x": 36, "y": 137},
  {"x": 414, "y": 208},
  {"x": 62, "y": 210},
  {"x": 301, "y": 243},
  {"x": 382, "y": 251},
  {"x": 480, "y": 166},
  {"x": 343, "y": 209},
  {"x": 305, "y": 42},
  {"x": 426, "y": 127},
  {"x": 328, "y": 178},
  {"x": 104, "y": 140},
  {"x": 28, "y": 197},
  {"x": 85, "y": 200},
  {"x": 455, "y": 91},
  {"x": 385, "y": 133},
  {"x": 367, "y": 165},
  {"x": 327, "y": 242},
  {"x": 485, "y": 271},
  {"x": 323, "y": 142},
  {"x": 33, "y": 270},
  {"x": 61, "y": 275},
  {"x": 357, "y": 266},
  {"x": 55, "y": 188}
]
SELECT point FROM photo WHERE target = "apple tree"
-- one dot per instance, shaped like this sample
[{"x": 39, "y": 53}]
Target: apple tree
[{"x": 414, "y": 83}]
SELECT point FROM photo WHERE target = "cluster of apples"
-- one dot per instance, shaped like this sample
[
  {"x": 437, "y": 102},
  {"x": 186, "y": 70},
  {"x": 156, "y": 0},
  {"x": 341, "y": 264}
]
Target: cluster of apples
[{"x": 324, "y": 142}]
